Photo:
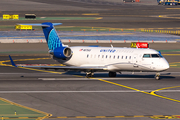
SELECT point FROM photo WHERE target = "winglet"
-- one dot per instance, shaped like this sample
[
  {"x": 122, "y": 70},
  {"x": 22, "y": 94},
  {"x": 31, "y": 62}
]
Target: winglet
[{"x": 12, "y": 62}]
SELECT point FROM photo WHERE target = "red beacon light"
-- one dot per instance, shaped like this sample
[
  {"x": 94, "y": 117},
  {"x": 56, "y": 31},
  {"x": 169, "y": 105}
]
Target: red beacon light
[{"x": 142, "y": 45}]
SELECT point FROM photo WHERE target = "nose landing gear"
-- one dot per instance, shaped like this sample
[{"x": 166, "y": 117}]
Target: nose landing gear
[{"x": 157, "y": 76}]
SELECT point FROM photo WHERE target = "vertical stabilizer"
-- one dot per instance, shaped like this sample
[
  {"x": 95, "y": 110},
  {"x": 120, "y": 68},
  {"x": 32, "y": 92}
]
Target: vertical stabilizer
[{"x": 50, "y": 34}]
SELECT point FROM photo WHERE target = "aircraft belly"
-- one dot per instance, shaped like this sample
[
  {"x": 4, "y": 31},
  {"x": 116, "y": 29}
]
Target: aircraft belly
[{"x": 120, "y": 67}]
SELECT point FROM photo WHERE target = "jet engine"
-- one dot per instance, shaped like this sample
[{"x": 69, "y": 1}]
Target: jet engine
[{"x": 61, "y": 52}]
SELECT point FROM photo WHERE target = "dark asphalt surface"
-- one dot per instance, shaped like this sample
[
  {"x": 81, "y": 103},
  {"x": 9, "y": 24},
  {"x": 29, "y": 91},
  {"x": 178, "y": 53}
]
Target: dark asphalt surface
[{"x": 68, "y": 94}]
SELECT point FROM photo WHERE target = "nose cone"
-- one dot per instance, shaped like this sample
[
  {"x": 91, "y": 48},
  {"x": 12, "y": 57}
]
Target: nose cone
[{"x": 164, "y": 64}]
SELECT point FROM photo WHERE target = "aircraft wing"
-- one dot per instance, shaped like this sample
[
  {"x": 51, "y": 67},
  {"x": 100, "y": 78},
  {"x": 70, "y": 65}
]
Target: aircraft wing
[{"x": 81, "y": 68}]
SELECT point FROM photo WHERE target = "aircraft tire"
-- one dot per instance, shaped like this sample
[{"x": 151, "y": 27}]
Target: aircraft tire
[
  {"x": 89, "y": 75},
  {"x": 157, "y": 77},
  {"x": 112, "y": 74}
]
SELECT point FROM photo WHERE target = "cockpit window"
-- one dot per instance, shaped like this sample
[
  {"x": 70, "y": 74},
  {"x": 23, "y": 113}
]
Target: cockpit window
[
  {"x": 156, "y": 55},
  {"x": 152, "y": 56},
  {"x": 146, "y": 56}
]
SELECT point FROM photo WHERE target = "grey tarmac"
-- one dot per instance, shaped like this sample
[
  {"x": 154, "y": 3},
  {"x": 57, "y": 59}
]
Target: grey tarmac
[
  {"x": 69, "y": 95},
  {"x": 72, "y": 94}
]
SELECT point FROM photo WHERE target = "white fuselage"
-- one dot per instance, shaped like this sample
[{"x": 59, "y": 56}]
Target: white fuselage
[{"x": 117, "y": 59}]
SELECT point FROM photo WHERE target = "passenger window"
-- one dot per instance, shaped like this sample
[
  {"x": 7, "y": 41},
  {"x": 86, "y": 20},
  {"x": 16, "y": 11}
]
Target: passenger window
[
  {"x": 114, "y": 57},
  {"x": 98, "y": 56},
  {"x": 106, "y": 56},
  {"x": 102, "y": 56},
  {"x": 87, "y": 55},
  {"x": 109, "y": 56},
  {"x": 126, "y": 57},
  {"x": 129, "y": 57},
  {"x": 146, "y": 56},
  {"x": 122, "y": 57},
  {"x": 118, "y": 57}
]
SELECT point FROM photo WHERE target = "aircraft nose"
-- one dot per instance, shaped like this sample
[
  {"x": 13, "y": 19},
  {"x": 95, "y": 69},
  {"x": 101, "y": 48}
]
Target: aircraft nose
[{"x": 165, "y": 65}]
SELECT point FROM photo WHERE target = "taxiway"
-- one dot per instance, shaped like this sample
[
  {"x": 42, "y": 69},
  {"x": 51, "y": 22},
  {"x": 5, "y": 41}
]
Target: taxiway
[{"x": 71, "y": 95}]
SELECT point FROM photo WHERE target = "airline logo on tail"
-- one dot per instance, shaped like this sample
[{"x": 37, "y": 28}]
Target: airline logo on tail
[{"x": 53, "y": 40}]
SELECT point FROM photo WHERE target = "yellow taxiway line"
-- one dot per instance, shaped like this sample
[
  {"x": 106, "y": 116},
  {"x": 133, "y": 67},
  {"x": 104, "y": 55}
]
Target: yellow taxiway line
[{"x": 106, "y": 81}]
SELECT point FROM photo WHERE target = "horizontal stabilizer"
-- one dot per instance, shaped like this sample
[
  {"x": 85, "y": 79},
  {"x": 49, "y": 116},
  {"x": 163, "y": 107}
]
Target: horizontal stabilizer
[{"x": 42, "y": 25}]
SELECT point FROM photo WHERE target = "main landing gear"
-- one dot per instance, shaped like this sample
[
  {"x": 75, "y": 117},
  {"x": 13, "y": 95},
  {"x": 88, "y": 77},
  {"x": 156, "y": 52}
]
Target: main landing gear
[
  {"x": 112, "y": 74},
  {"x": 157, "y": 76},
  {"x": 89, "y": 74}
]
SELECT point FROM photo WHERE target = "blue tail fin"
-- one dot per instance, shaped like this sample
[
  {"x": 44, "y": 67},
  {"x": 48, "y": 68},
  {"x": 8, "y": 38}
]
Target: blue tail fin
[{"x": 50, "y": 34}]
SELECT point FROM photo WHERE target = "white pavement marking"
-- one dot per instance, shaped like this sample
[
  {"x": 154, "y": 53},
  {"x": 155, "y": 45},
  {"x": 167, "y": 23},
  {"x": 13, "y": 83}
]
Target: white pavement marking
[
  {"x": 66, "y": 79},
  {"x": 105, "y": 91},
  {"x": 68, "y": 91}
]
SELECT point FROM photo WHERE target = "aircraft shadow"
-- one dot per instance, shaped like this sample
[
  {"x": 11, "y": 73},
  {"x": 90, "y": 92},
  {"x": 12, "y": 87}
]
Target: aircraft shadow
[{"x": 105, "y": 75}]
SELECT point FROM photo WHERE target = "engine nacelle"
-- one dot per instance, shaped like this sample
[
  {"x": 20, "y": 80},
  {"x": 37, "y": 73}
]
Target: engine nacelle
[{"x": 62, "y": 52}]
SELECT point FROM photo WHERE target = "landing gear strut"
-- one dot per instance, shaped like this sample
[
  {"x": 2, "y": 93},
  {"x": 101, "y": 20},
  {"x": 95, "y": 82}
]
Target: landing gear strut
[
  {"x": 89, "y": 74},
  {"x": 157, "y": 76},
  {"x": 112, "y": 74}
]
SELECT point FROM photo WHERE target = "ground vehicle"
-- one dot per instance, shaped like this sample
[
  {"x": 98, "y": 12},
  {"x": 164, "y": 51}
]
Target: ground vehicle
[
  {"x": 168, "y": 2},
  {"x": 128, "y": 1}
]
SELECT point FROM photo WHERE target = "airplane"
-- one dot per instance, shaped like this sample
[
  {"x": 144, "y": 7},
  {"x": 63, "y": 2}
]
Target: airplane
[{"x": 91, "y": 59}]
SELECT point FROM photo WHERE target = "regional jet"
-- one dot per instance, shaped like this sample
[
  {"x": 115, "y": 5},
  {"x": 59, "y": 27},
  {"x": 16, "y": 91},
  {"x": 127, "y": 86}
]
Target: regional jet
[{"x": 91, "y": 59}]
